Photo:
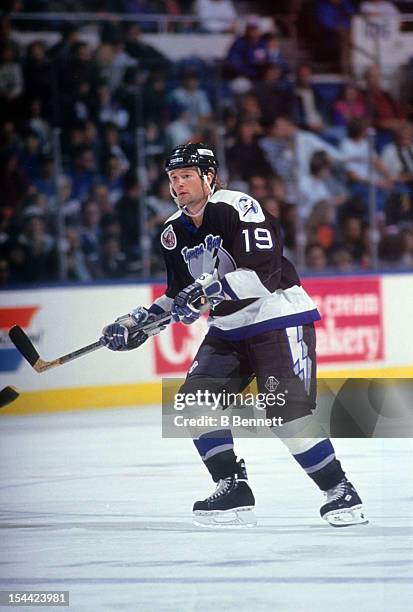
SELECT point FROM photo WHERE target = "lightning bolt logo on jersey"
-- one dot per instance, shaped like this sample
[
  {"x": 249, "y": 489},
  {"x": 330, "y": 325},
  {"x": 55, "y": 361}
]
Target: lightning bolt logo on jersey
[{"x": 301, "y": 362}]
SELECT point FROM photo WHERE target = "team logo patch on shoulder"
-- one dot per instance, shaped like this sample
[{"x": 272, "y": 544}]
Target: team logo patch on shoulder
[
  {"x": 247, "y": 205},
  {"x": 248, "y": 209},
  {"x": 168, "y": 238}
]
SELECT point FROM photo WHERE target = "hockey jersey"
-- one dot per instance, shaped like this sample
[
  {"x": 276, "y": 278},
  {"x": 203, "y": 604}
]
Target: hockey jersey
[{"x": 243, "y": 242}]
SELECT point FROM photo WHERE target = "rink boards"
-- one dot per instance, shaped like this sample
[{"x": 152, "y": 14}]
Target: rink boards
[{"x": 365, "y": 331}]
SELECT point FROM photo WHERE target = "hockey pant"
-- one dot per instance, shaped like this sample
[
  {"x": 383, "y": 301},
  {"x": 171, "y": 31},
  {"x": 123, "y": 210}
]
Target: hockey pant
[{"x": 284, "y": 358}]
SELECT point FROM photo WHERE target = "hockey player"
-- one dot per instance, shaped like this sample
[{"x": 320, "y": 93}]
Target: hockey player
[{"x": 223, "y": 248}]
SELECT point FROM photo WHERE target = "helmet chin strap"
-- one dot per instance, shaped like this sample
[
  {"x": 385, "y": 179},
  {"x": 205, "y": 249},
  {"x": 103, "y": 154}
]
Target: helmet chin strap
[{"x": 184, "y": 207}]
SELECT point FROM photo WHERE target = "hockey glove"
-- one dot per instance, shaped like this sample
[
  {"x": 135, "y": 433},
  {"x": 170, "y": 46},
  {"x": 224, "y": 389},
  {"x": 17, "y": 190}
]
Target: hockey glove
[
  {"x": 188, "y": 303},
  {"x": 117, "y": 335}
]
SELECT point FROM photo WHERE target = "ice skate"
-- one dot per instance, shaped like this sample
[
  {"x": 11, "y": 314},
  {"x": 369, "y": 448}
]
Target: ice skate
[
  {"x": 231, "y": 504},
  {"x": 344, "y": 506}
]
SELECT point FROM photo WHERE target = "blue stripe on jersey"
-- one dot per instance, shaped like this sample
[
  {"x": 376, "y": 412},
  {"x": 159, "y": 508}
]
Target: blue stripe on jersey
[
  {"x": 189, "y": 226},
  {"x": 241, "y": 333},
  {"x": 315, "y": 455},
  {"x": 214, "y": 439},
  {"x": 228, "y": 290}
]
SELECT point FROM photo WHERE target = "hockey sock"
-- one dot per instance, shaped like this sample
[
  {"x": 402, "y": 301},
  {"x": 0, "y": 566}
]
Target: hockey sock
[
  {"x": 320, "y": 463},
  {"x": 217, "y": 452}
]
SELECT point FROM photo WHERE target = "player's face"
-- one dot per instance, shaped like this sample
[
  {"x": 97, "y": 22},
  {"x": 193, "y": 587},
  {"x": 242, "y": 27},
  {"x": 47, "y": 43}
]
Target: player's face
[{"x": 189, "y": 187}]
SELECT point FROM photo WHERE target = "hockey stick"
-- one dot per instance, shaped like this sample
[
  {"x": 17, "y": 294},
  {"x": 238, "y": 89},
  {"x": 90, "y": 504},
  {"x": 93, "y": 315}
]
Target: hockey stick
[
  {"x": 25, "y": 346},
  {"x": 7, "y": 396}
]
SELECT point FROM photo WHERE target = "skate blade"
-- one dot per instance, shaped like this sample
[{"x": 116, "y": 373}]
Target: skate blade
[
  {"x": 346, "y": 517},
  {"x": 237, "y": 517}
]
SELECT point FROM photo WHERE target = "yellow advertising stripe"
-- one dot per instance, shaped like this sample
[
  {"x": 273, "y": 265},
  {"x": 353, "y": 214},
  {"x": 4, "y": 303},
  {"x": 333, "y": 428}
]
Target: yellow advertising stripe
[
  {"x": 78, "y": 398},
  {"x": 394, "y": 372},
  {"x": 109, "y": 396}
]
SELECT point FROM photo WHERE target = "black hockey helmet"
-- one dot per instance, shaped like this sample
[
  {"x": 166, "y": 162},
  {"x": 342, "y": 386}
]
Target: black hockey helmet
[{"x": 192, "y": 154}]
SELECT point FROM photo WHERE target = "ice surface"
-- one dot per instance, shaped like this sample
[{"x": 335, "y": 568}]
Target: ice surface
[{"x": 97, "y": 503}]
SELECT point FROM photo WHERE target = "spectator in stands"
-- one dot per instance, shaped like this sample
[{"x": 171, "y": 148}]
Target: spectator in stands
[
  {"x": 83, "y": 173},
  {"x": 258, "y": 187},
  {"x": 407, "y": 241},
  {"x": 154, "y": 139},
  {"x": 315, "y": 258},
  {"x": 113, "y": 178},
  {"x": 399, "y": 208},
  {"x": 10, "y": 140},
  {"x": 39, "y": 251},
  {"x": 91, "y": 137},
  {"x": 147, "y": 56},
  {"x": 6, "y": 31},
  {"x": 160, "y": 206},
  {"x": 247, "y": 53},
  {"x": 103, "y": 58},
  {"x": 309, "y": 105},
  {"x": 333, "y": 18},
  {"x": 248, "y": 107},
  {"x": 91, "y": 235},
  {"x": 111, "y": 146},
  {"x": 320, "y": 225},
  {"x": 272, "y": 205},
  {"x": 363, "y": 166},
  {"x": 120, "y": 61},
  {"x": 36, "y": 123},
  {"x": 30, "y": 156},
  {"x": 61, "y": 51},
  {"x": 273, "y": 53},
  {"x": 397, "y": 157},
  {"x": 191, "y": 96},
  {"x": 14, "y": 184},
  {"x": 349, "y": 105},
  {"x": 70, "y": 205},
  {"x": 289, "y": 151},
  {"x": 319, "y": 185},
  {"x": 382, "y": 107},
  {"x": 76, "y": 266},
  {"x": 11, "y": 82},
  {"x": 46, "y": 183},
  {"x": 78, "y": 69},
  {"x": 38, "y": 75},
  {"x": 100, "y": 194},
  {"x": 127, "y": 209},
  {"x": 179, "y": 129},
  {"x": 5, "y": 277},
  {"x": 274, "y": 93},
  {"x": 112, "y": 260},
  {"x": 109, "y": 108},
  {"x": 351, "y": 237},
  {"x": 246, "y": 158},
  {"x": 341, "y": 259},
  {"x": 391, "y": 249},
  {"x": 155, "y": 107},
  {"x": 216, "y": 16},
  {"x": 78, "y": 105}
]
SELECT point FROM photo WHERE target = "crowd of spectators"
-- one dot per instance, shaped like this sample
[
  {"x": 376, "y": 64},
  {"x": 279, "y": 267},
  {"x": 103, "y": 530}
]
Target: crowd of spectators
[{"x": 313, "y": 162}]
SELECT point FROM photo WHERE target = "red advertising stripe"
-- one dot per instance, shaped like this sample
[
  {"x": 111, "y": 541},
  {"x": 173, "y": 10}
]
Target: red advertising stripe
[
  {"x": 351, "y": 327},
  {"x": 18, "y": 315}
]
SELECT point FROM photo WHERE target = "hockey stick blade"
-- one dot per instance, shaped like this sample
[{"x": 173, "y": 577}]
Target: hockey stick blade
[
  {"x": 7, "y": 396},
  {"x": 24, "y": 345}
]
